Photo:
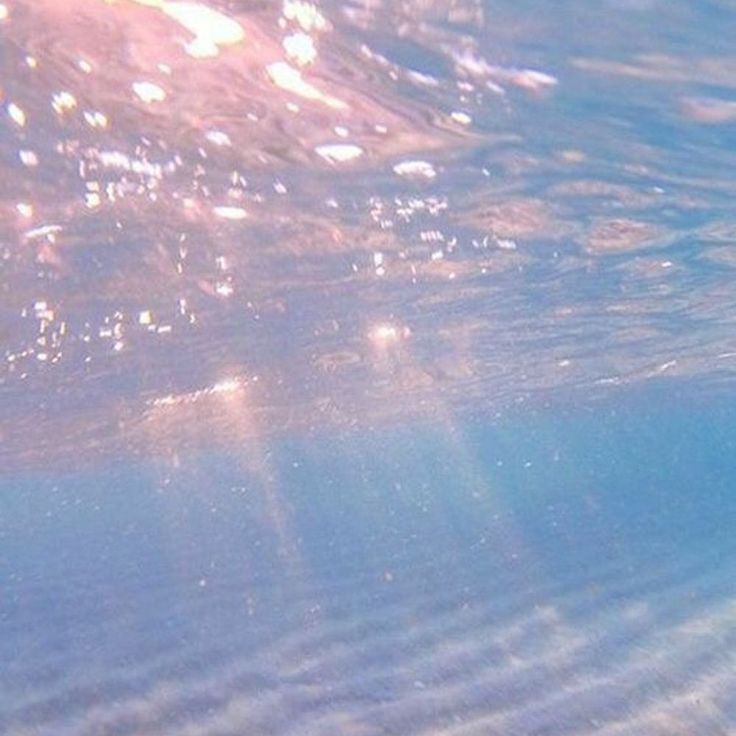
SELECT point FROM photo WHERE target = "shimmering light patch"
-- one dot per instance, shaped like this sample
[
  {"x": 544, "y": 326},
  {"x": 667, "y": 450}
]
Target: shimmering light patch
[
  {"x": 92, "y": 200},
  {"x": 461, "y": 117},
  {"x": 210, "y": 27},
  {"x": 337, "y": 153},
  {"x": 43, "y": 312},
  {"x": 226, "y": 386},
  {"x": 305, "y": 14},
  {"x": 85, "y": 66},
  {"x": 378, "y": 263},
  {"x": 28, "y": 158},
  {"x": 218, "y": 138},
  {"x": 228, "y": 212},
  {"x": 63, "y": 101},
  {"x": 300, "y": 48},
  {"x": 25, "y": 209},
  {"x": 16, "y": 114},
  {"x": 149, "y": 92},
  {"x": 289, "y": 78},
  {"x": 32, "y": 62},
  {"x": 45, "y": 231},
  {"x": 415, "y": 169},
  {"x": 572, "y": 156},
  {"x": 224, "y": 289},
  {"x": 221, "y": 388},
  {"x": 387, "y": 334},
  {"x": 145, "y": 317},
  {"x": 119, "y": 160},
  {"x": 431, "y": 236},
  {"x": 424, "y": 79},
  {"x": 533, "y": 79},
  {"x": 202, "y": 48},
  {"x": 3, "y": 12},
  {"x": 468, "y": 62},
  {"x": 96, "y": 119},
  {"x": 709, "y": 109}
]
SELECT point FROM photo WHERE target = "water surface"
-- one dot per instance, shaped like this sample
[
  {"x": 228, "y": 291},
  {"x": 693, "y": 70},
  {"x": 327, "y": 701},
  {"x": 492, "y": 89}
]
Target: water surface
[{"x": 366, "y": 367}]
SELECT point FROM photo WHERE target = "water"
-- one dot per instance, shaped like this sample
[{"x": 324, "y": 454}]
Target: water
[{"x": 367, "y": 368}]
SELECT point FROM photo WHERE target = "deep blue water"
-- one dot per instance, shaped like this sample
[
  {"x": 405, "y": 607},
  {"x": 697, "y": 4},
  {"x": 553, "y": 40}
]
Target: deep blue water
[{"x": 367, "y": 368}]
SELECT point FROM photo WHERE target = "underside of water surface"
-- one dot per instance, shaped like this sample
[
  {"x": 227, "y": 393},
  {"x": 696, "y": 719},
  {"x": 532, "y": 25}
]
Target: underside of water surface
[{"x": 367, "y": 367}]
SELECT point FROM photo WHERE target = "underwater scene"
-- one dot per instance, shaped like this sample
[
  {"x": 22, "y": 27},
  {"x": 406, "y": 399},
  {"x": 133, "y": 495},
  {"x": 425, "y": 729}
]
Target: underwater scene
[{"x": 367, "y": 368}]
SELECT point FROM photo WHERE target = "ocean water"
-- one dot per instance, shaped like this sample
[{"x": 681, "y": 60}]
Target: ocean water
[{"x": 367, "y": 368}]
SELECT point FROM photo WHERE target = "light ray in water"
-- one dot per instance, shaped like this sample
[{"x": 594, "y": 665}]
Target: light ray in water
[{"x": 366, "y": 367}]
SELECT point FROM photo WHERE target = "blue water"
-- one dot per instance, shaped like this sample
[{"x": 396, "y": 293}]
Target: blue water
[
  {"x": 555, "y": 574},
  {"x": 388, "y": 394}
]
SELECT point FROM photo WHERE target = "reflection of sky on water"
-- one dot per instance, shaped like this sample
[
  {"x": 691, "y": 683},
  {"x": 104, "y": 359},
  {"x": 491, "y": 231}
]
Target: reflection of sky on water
[{"x": 366, "y": 368}]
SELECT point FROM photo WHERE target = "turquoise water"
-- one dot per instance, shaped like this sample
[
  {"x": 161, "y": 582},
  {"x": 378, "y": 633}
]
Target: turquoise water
[{"x": 367, "y": 368}]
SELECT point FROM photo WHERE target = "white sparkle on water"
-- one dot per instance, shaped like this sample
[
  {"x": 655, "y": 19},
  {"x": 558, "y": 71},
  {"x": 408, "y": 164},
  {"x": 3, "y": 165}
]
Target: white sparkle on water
[
  {"x": 17, "y": 115},
  {"x": 218, "y": 138},
  {"x": 228, "y": 212},
  {"x": 300, "y": 48},
  {"x": 63, "y": 101},
  {"x": 337, "y": 153},
  {"x": 305, "y": 14},
  {"x": 290, "y": 79},
  {"x": 149, "y": 92},
  {"x": 210, "y": 28},
  {"x": 96, "y": 119},
  {"x": 415, "y": 169},
  {"x": 28, "y": 158},
  {"x": 461, "y": 117}
]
